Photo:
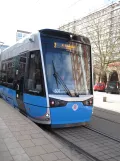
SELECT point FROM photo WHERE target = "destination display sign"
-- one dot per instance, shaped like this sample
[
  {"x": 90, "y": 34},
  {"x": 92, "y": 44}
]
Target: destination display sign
[{"x": 64, "y": 46}]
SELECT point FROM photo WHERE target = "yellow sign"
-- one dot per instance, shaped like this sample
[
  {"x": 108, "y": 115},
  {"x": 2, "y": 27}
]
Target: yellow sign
[{"x": 64, "y": 46}]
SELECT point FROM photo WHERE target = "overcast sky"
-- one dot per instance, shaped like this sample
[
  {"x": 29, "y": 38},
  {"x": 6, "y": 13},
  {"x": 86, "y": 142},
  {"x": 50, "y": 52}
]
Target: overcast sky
[{"x": 30, "y": 15}]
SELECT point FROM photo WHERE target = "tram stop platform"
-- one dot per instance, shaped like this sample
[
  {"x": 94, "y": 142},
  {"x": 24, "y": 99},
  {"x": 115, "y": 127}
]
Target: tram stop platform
[{"x": 22, "y": 140}]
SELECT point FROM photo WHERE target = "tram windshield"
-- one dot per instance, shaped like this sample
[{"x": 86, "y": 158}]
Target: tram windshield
[{"x": 67, "y": 66}]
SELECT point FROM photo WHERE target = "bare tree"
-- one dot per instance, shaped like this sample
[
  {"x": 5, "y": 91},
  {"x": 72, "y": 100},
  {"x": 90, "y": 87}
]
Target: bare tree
[
  {"x": 103, "y": 30},
  {"x": 104, "y": 34}
]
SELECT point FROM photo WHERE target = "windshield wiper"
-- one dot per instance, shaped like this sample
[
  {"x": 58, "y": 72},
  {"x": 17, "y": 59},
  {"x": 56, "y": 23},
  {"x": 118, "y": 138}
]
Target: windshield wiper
[
  {"x": 58, "y": 79},
  {"x": 55, "y": 73}
]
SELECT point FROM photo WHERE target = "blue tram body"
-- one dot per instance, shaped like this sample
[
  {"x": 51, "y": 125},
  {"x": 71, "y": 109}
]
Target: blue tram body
[{"x": 48, "y": 77}]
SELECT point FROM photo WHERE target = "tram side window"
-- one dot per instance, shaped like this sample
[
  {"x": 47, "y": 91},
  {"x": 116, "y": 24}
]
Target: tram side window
[
  {"x": 10, "y": 72},
  {"x": 34, "y": 80},
  {"x": 4, "y": 73}
]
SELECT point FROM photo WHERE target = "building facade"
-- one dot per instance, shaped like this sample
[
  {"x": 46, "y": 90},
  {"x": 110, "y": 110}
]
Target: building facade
[
  {"x": 21, "y": 34},
  {"x": 103, "y": 29}
]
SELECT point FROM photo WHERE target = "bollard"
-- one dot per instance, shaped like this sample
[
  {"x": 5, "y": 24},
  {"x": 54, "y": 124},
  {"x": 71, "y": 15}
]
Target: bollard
[{"x": 104, "y": 99}]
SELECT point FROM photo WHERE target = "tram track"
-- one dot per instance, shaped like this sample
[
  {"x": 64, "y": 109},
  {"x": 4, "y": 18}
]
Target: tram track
[
  {"x": 87, "y": 155},
  {"x": 106, "y": 119},
  {"x": 70, "y": 137},
  {"x": 105, "y": 127},
  {"x": 77, "y": 148},
  {"x": 102, "y": 133},
  {"x": 88, "y": 141},
  {"x": 75, "y": 137}
]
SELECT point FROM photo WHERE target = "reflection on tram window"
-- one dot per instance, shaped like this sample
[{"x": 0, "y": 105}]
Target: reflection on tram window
[
  {"x": 72, "y": 67},
  {"x": 34, "y": 80}
]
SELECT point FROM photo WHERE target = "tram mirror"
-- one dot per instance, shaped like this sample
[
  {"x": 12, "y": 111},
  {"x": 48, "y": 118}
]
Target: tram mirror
[{"x": 16, "y": 72}]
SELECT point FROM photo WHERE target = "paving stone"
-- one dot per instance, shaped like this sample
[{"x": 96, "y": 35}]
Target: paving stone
[
  {"x": 11, "y": 123},
  {"x": 78, "y": 158},
  {"x": 3, "y": 147},
  {"x": 35, "y": 136},
  {"x": 66, "y": 159},
  {"x": 58, "y": 144},
  {"x": 50, "y": 148},
  {"x": 117, "y": 158},
  {"x": 29, "y": 127},
  {"x": 36, "y": 158},
  {"x": 60, "y": 155},
  {"x": 10, "y": 140},
  {"x": 34, "y": 151},
  {"x": 82, "y": 159},
  {"x": 1, "y": 141},
  {"x": 5, "y": 154},
  {"x": 49, "y": 157},
  {"x": 16, "y": 133},
  {"x": 54, "y": 141},
  {"x": 3, "y": 131},
  {"x": 40, "y": 141},
  {"x": 35, "y": 126},
  {"x": 2, "y": 123},
  {"x": 26, "y": 143},
  {"x": 67, "y": 152},
  {"x": 23, "y": 137},
  {"x": 6, "y": 135},
  {"x": 14, "y": 128},
  {"x": 23, "y": 123},
  {"x": 23, "y": 157},
  {"x": 6, "y": 158},
  {"x": 112, "y": 155},
  {"x": 3, "y": 127},
  {"x": 17, "y": 151},
  {"x": 117, "y": 153},
  {"x": 29, "y": 132},
  {"x": 13, "y": 145},
  {"x": 94, "y": 145},
  {"x": 106, "y": 157},
  {"x": 111, "y": 159}
]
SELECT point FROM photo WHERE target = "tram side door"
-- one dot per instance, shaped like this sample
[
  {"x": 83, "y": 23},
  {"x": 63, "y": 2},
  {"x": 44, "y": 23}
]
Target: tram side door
[{"x": 20, "y": 82}]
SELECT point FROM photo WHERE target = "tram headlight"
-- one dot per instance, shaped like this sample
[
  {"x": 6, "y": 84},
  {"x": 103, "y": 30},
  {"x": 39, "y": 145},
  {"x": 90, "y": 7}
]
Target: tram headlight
[
  {"x": 47, "y": 115},
  {"x": 56, "y": 102},
  {"x": 88, "y": 102}
]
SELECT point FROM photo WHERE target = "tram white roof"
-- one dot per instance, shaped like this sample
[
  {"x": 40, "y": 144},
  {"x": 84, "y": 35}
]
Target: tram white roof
[{"x": 29, "y": 43}]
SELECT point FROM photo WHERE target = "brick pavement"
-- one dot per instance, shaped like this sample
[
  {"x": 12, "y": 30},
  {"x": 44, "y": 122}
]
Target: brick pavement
[
  {"x": 108, "y": 127},
  {"x": 97, "y": 145},
  {"x": 23, "y": 140}
]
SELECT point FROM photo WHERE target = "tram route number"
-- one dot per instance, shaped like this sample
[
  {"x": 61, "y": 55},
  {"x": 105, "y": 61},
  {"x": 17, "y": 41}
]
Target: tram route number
[{"x": 57, "y": 91}]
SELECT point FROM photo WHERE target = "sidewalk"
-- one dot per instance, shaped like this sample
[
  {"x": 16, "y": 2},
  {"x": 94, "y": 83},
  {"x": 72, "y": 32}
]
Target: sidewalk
[
  {"x": 110, "y": 109},
  {"x": 23, "y": 140},
  {"x": 112, "y": 102},
  {"x": 115, "y": 107}
]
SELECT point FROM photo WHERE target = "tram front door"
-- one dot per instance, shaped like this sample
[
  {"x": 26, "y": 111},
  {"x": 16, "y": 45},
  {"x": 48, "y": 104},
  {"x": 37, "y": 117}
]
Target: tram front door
[{"x": 19, "y": 95}]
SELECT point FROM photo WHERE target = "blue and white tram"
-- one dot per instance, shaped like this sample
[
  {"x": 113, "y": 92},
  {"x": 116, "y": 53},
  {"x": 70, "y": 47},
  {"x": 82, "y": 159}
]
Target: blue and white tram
[{"x": 48, "y": 77}]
